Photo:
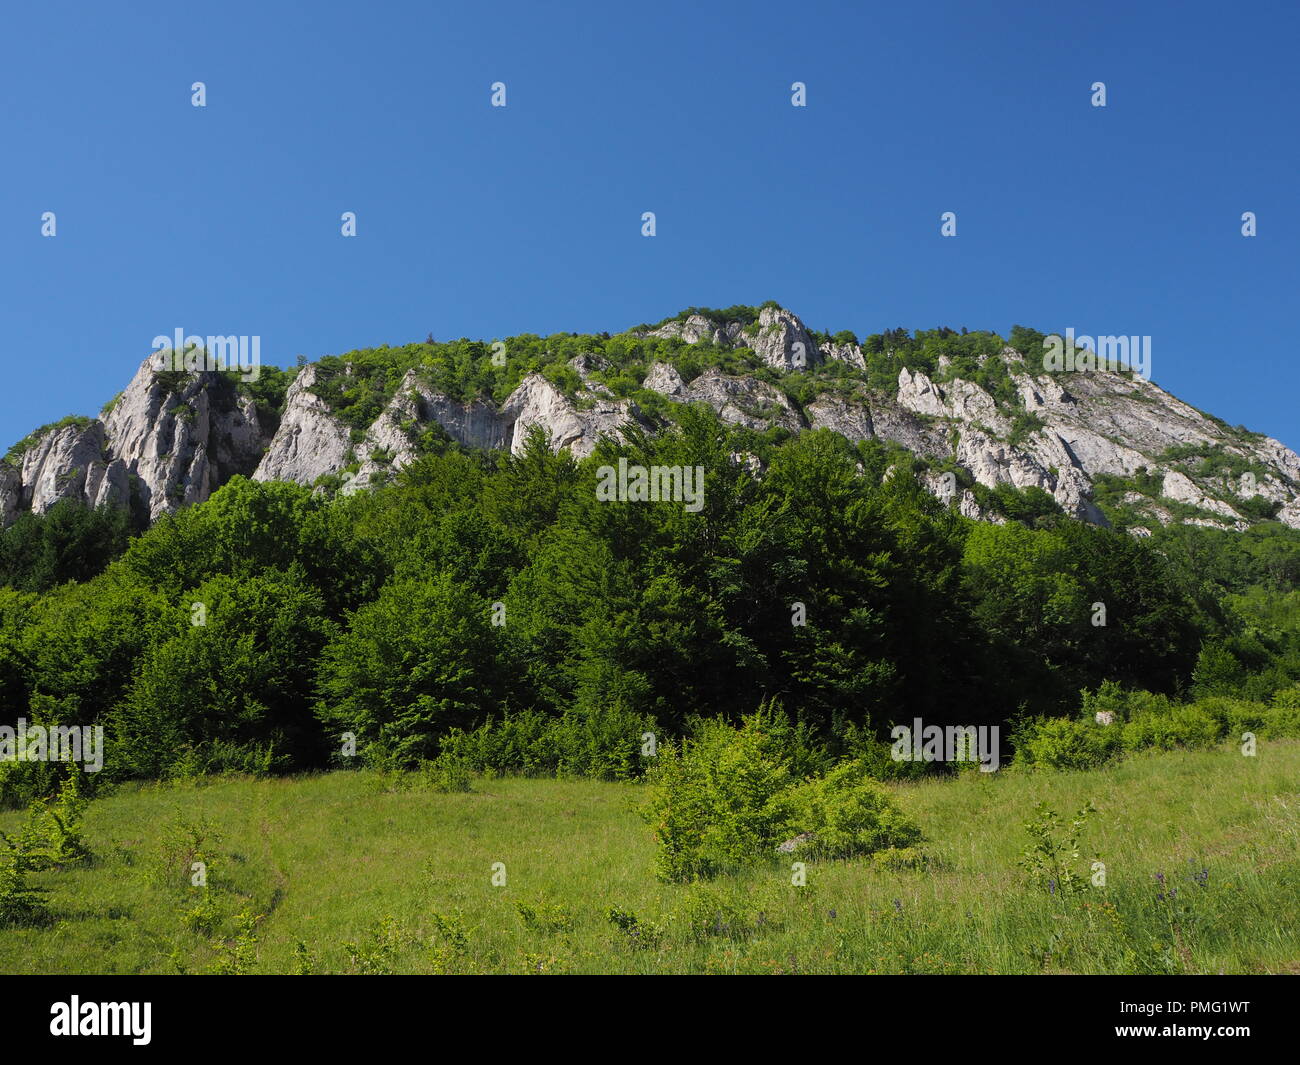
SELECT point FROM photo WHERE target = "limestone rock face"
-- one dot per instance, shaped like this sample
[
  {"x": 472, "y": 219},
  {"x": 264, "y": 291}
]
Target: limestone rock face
[
  {"x": 1290, "y": 514},
  {"x": 475, "y": 425},
  {"x": 917, "y": 393},
  {"x": 175, "y": 437},
  {"x": 852, "y": 420},
  {"x": 743, "y": 401},
  {"x": 694, "y": 329},
  {"x": 899, "y": 425},
  {"x": 847, "y": 353},
  {"x": 1181, "y": 489},
  {"x": 664, "y": 379},
  {"x": 68, "y": 463},
  {"x": 946, "y": 489},
  {"x": 311, "y": 440},
  {"x": 393, "y": 440},
  {"x": 993, "y": 462},
  {"x": 782, "y": 341},
  {"x": 171, "y": 438},
  {"x": 537, "y": 402},
  {"x": 11, "y": 494}
]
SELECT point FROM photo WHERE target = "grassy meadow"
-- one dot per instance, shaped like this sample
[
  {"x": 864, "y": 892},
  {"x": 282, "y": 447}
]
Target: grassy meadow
[{"x": 343, "y": 873}]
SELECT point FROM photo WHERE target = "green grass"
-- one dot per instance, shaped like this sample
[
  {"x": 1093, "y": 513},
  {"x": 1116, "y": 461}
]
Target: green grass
[{"x": 405, "y": 876}]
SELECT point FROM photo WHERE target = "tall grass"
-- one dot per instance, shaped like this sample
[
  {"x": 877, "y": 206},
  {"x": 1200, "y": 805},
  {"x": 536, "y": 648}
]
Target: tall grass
[{"x": 338, "y": 873}]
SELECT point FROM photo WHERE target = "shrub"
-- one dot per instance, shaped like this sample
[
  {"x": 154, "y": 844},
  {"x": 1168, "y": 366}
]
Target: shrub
[
  {"x": 19, "y": 903},
  {"x": 728, "y": 797},
  {"x": 447, "y": 775},
  {"x": 63, "y": 820},
  {"x": 237, "y": 956},
  {"x": 52, "y": 836},
  {"x": 1183, "y": 726},
  {"x": 181, "y": 844},
  {"x": 603, "y": 742},
  {"x": 877, "y": 756},
  {"x": 1060, "y": 743},
  {"x": 600, "y": 740},
  {"x": 25, "y": 782},
  {"x": 643, "y": 935},
  {"x": 1283, "y": 717},
  {"x": 1234, "y": 716},
  {"x": 450, "y": 943},
  {"x": 545, "y": 918},
  {"x": 202, "y": 918},
  {"x": 518, "y": 743},
  {"x": 797, "y": 740},
  {"x": 718, "y": 800},
  {"x": 847, "y": 814}
]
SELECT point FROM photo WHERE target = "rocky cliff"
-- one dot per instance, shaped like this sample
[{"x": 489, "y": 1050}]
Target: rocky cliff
[{"x": 172, "y": 437}]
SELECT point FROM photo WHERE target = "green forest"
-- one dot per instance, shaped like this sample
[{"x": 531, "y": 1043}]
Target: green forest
[{"x": 486, "y": 612}]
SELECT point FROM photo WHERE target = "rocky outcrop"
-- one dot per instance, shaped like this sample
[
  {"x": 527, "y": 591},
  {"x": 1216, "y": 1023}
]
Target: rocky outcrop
[
  {"x": 846, "y": 353},
  {"x": 694, "y": 329},
  {"x": 1290, "y": 514},
  {"x": 537, "y": 402},
  {"x": 945, "y": 488},
  {"x": 664, "y": 379},
  {"x": 741, "y": 400},
  {"x": 169, "y": 439},
  {"x": 917, "y": 393},
  {"x": 394, "y": 439},
  {"x": 782, "y": 342},
  {"x": 852, "y": 420},
  {"x": 69, "y": 463},
  {"x": 1182, "y": 489},
  {"x": 11, "y": 494},
  {"x": 174, "y": 438},
  {"x": 311, "y": 441}
]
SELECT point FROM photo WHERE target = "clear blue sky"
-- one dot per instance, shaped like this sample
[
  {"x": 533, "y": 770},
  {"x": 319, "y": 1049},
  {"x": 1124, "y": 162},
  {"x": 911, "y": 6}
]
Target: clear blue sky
[{"x": 484, "y": 222}]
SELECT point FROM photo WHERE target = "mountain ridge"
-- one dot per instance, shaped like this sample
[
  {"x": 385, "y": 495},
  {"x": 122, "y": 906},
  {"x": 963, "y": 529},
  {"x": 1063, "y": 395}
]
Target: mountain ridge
[{"x": 976, "y": 412}]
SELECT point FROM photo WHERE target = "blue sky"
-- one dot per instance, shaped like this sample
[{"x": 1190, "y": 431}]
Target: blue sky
[{"x": 484, "y": 222}]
